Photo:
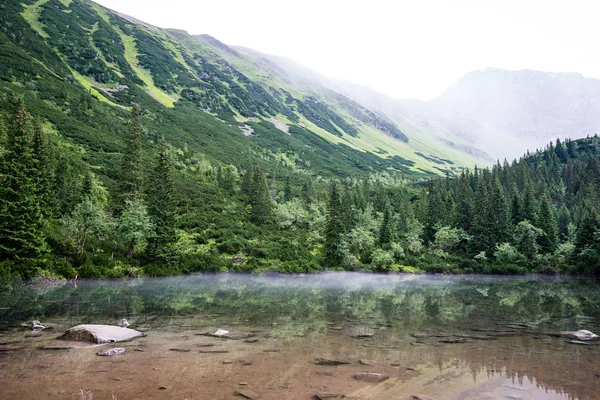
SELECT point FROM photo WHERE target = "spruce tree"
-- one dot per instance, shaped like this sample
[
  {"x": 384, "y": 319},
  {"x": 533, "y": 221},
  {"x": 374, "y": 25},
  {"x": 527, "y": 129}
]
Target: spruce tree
[
  {"x": 529, "y": 204},
  {"x": 463, "y": 209},
  {"x": 261, "y": 199},
  {"x": 130, "y": 185},
  {"x": 516, "y": 208},
  {"x": 547, "y": 223},
  {"x": 287, "y": 191},
  {"x": 501, "y": 214},
  {"x": 21, "y": 239},
  {"x": 333, "y": 255},
  {"x": 161, "y": 201},
  {"x": 42, "y": 154},
  {"x": 247, "y": 182},
  {"x": 483, "y": 221},
  {"x": 308, "y": 194},
  {"x": 385, "y": 231}
]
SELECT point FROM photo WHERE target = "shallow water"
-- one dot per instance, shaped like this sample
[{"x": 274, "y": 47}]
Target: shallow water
[{"x": 442, "y": 337}]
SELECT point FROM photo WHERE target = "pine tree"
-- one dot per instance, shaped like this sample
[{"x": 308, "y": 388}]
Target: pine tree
[
  {"x": 130, "y": 185},
  {"x": 501, "y": 214},
  {"x": 463, "y": 210},
  {"x": 529, "y": 204},
  {"x": 247, "y": 182},
  {"x": 161, "y": 200},
  {"x": 516, "y": 208},
  {"x": 287, "y": 191},
  {"x": 42, "y": 154},
  {"x": 564, "y": 219},
  {"x": 261, "y": 199},
  {"x": 547, "y": 223},
  {"x": 436, "y": 210},
  {"x": 308, "y": 194},
  {"x": 333, "y": 255},
  {"x": 385, "y": 231},
  {"x": 483, "y": 221},
  {"x": 21, "y": 239}
]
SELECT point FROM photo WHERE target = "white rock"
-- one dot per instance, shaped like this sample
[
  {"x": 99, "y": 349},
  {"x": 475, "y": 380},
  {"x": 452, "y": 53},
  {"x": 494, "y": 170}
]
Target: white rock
[{"x": 100, "y": 333}]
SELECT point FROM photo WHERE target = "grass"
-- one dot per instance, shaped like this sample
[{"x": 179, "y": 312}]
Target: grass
[
  {"x": 131, "y": 55},
  {"x": 31, "y": 13}
]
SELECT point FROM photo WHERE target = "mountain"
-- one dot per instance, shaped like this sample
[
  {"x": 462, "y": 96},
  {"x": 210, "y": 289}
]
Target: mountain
[
  {"x": 231, "y": 104},
  {"x": 506, "y": 112}
]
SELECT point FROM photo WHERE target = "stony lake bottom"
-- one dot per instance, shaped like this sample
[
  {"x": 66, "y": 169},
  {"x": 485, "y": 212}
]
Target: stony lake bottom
[{"x": 435, "y": 337}]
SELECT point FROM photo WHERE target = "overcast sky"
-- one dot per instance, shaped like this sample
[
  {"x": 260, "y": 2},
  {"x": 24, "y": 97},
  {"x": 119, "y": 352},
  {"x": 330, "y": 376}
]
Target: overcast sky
[{"x": 405, "y": 49}]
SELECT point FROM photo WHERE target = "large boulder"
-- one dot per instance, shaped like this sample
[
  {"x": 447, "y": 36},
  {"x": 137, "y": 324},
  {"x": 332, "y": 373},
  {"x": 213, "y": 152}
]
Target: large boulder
[{"x": 100, "y": 334}]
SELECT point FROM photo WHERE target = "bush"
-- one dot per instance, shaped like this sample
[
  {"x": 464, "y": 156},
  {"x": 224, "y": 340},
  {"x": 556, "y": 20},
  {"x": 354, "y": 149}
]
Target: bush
[
  {"x": 505, "y": 253},
  {"x": 382, "y": 259}
]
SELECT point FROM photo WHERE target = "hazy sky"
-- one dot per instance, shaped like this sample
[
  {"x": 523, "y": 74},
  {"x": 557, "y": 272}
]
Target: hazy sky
[{"x": 412, "y": 48}]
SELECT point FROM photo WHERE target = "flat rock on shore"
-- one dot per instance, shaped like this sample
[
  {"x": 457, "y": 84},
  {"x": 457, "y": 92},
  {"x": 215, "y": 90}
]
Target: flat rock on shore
[{"x": 100, "y": 334}]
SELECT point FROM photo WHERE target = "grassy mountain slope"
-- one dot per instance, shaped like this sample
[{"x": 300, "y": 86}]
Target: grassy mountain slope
[{"x": 80, "y": 66}]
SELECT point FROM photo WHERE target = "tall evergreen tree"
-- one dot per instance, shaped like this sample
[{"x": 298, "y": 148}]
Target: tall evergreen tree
[
  {"x": 483, "y": 221},
  {"x": 308, "y": 194},
  {"x": 516, "y": 208},
  {"x": 529, "y": 204},
  {"x": 247, "y": 182},
  {"x": 130, "y": 185},
  {"x": 501, "y": 214},
  {"x": 333, "y": 255},
  {"x": 161, "y": 200},
  {"x": 287, "y": 191},
  {"x": 463, "y": 210},
  {"x": 547, "y": 223},
  {"x": 261, "y": 198},
  {"x": 21, "y": 238},
  {"x": 42, "y": 154},
  {"x": 385, "y": 231}
]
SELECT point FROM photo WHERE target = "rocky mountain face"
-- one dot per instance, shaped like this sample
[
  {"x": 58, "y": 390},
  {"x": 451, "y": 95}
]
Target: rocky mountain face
[{"x": 506, "y": 112}]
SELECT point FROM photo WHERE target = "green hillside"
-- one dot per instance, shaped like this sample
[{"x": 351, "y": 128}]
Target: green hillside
[
  {"x": 116, "y": 61},
  {"x": 126, "y": 149}
]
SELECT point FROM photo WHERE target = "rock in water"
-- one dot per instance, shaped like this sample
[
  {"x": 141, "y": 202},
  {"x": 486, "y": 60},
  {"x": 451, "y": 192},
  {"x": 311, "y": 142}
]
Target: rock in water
[
  {"x": 123, "y": 323},
  {"x": 328, "y": 361},
  {"x": 235, "y": 335},
  {"x": 35, "y": 326},
  {"x": 247, "y": 394},
  {"x": 111, "y": 352},
  {"x": 580, "y": 335},
  {"x": 371, "y": 377},
  {"x": 325, "y": 395},
  {"x": 100, "y": 334}
]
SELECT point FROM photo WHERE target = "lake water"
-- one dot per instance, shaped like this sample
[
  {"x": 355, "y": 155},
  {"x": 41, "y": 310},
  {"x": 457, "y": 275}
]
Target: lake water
[{"x": 464, "y": 337}]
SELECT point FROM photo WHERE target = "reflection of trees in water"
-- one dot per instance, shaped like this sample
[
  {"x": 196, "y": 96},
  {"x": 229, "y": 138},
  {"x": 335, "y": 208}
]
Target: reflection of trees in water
[
  {"x": 306, "y": 306},
  {"x": 301, "y": 300},
  {"x": 566, "y": 368}
]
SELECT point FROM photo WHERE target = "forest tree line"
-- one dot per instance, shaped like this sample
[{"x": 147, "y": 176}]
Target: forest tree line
[{"x": 169, "y": 212}]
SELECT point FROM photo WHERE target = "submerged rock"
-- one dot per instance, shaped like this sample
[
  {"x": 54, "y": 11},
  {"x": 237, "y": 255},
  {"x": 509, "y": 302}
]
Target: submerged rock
[
  {"x": 111, "y": 352},
  {"x": 323, "y": 396},
  {"x": 100, "y": 334},
  {"x": 579, "y": 335},
  {"x": 247, "y": 394},
  {"x": 328, "y": 361},
  {"x": 371, "y": 377},
  {"x": 234, "y": 335},
  {"x": 359, "y": 332},
  {"x": 36, "y": 326}
]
